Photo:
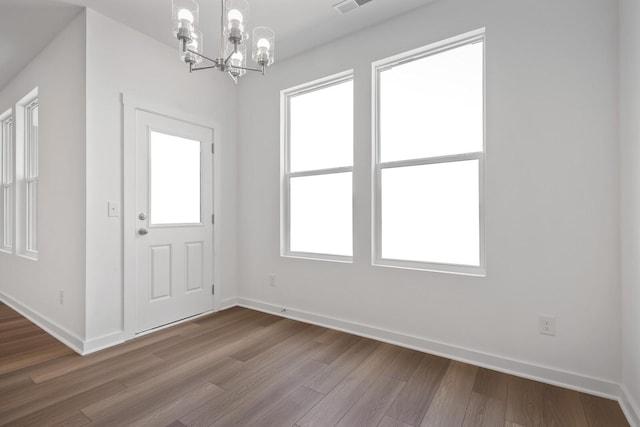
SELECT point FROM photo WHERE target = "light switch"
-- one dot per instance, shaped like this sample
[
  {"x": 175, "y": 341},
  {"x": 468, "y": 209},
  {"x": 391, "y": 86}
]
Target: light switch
[{"x": 114, "y": 209}]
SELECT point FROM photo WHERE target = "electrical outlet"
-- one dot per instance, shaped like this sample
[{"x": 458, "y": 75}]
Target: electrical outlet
[
  {"x": 272, "y": 280},
  {"x": 61, "y": 297},
  {"x": 547, "y": 325}
]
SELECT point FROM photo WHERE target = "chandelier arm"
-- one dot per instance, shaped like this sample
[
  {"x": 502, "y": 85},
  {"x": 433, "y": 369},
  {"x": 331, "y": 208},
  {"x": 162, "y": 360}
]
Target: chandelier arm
[
  {"x": 234, "y": 78},
  {"x": 246, "y": 68},
  {"x": 204, "y": 68},
  {"x": 215, "y": 61},
  {"x": 226, "y": 61}
]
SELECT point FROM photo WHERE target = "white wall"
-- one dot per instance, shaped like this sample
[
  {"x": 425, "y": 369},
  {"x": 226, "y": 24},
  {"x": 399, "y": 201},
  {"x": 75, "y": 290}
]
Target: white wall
[
  {"x": 33, "y": 286},
  {"x": 630, "y": 185},
  {"x": 121, "y": 60},
  {"x": 551, "y": 192}
]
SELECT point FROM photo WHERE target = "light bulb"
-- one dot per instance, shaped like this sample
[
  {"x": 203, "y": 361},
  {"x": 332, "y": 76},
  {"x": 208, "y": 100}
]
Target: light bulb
[
  {"x": 185, "y": 15},
  {"x": 263, "y": 44},
  {"x": 238, "y": 56},
  {"x": 235, "y": 15}
]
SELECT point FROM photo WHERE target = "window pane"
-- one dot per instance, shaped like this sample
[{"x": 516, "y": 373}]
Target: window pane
[
  {"x": 174, "y": 179},
  {"x": 433, "y": 106},
  {"x": 7, "y": 152},
  {"x": 7, "y": 195},
  {"x": 321, "y": 128},
  {"x": 321, "y": 214},
  {"x": 32, "y": 216},
  {"x": 430, "y": 213},
  {"x": 32, "y": 140}
]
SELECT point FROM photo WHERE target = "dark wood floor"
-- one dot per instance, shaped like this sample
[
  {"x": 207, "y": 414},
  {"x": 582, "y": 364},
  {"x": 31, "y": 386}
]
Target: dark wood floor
[{"x": 245, "y": 368}]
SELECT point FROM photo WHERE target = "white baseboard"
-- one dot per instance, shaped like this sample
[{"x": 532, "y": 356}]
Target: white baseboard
[
  {"x": 570, "y": 380},
  {"x": 119, "y": 337},
  {"x": 58, "y": 332},
  {"x": 105, "y": 341},
  {"x": 227, "y": 303},
  {"x": 629, "y": 407}
]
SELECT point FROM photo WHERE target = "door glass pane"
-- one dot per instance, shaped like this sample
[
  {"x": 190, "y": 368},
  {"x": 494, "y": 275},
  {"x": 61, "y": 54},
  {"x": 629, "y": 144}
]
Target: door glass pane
[
  {"x": 321, "y": 214},
  {"x": 433, "y": 106},
  {"x": 174, "y": 179},
  {"x": 430, "y": 213},
  {"x": 321, "y": 124}
]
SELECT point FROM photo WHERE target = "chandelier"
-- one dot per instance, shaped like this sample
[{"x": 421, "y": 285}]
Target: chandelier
[{"x": 233, "y": 39}]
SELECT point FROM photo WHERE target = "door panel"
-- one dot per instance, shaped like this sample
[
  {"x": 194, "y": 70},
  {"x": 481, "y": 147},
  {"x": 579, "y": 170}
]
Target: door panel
[
  {"x": 174, "y": 234},
  {"x": 160, "y": 278},
  {"x": 194, "y": 266}
]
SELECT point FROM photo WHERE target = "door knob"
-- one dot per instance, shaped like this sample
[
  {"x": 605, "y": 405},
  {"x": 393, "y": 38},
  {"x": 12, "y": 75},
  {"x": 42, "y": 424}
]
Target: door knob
[
  {"x": 142, "y": 217},
  {"x": 143, "y": 231}
]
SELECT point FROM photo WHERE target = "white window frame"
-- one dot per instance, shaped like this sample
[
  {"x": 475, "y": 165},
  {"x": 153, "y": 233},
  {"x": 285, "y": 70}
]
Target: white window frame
[
  {"x": 26, "y": 215},
  {"x": 378, "y": 165},
  {"x": 285, "y": 167},
  {"x": 7, "y": 180}
]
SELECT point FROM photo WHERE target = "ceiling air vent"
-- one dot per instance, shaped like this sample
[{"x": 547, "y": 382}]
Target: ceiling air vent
[{"x": 348, "y": 5}]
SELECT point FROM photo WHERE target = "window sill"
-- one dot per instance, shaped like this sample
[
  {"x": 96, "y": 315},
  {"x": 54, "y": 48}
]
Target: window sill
[
  {"x": 33, "y": 256},
  {"x": 318, "y": 257},
  {"x": 460, "y": 270}
]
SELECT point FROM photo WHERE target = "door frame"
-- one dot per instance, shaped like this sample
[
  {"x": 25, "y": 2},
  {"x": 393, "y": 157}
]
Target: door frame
[{"x": 131, "y": 105}]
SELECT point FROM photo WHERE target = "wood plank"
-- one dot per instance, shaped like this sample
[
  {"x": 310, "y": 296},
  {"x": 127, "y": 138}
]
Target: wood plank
[
  {"x": 387, "y": 421},
  {"x": 180, "y": 406},
  {"x": 290, "y": 409},
  {"x": 267, "y": 338},
  {"x": 137, "y": 401},
  {"x": 404, "y": 365},
  {"x": 415, "y": 398},
  {"x": 300, "y": 344},
  {"x": 254, "y": 376},
  {"x": 345, "y": 394},
  {"x": 602, "y": 412},
  {"x": 69, "y": 409},
  {"x": 484, "y": 411},
  {"x": 534, "y": 404},
  {"x": 325, "y": 381},
  {"x": 491, "y": 384},
  {"x": 253, "y": 405},
  {"x": 39, "y": 396},
  {"x": 330, "y": 336},
  {"x": 23, "y": 359},
  {"x": 562, "y": 407},
  {"x": 525, "y": 404},
  {"x": 335, "y": 349},
  {"x": 451, "y": 399},
  {"x": 75, "y": 362},
  {"x": 374, "y": 403}
]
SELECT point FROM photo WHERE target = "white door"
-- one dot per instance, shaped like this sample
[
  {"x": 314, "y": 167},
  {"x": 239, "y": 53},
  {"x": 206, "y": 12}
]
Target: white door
[{"x": 174, "y": 215}]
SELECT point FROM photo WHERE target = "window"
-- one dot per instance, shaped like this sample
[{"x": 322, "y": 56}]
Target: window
[
  {"x": 6, "y": 180},
  {"x": 318, "y": 167},
  {"x": 429, "y": 157},
  {"x": 31, "y": 175}
]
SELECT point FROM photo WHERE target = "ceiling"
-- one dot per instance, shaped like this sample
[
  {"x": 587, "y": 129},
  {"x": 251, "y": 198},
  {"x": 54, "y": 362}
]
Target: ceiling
[{"x": 26, "y": 26}]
